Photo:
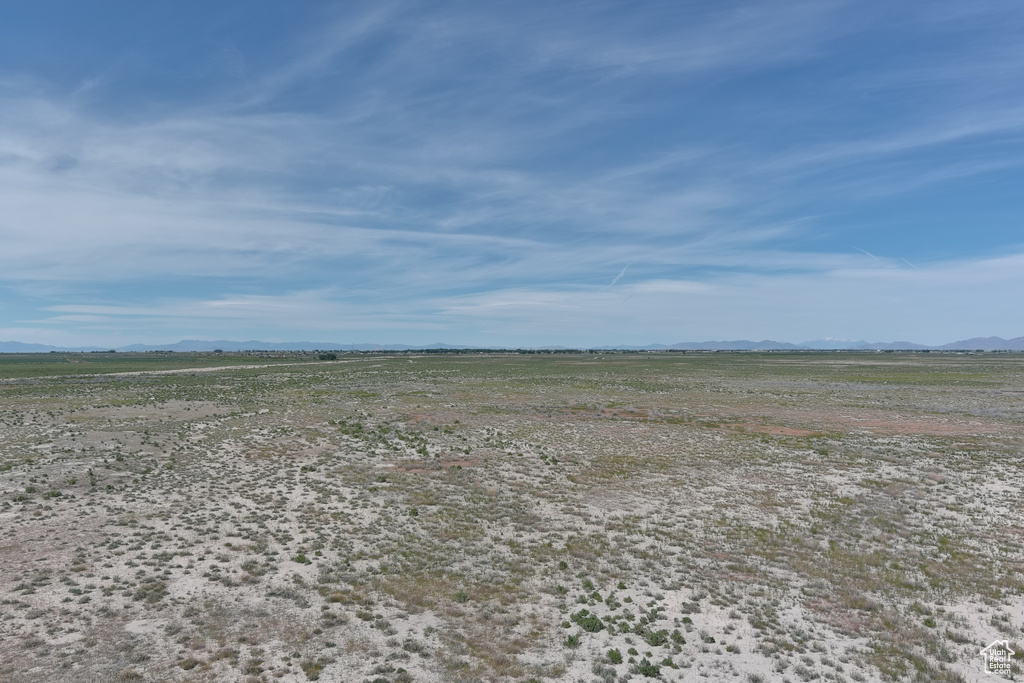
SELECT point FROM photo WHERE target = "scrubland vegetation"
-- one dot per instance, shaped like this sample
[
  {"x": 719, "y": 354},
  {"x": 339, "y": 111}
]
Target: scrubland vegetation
[{"x": 574, "y": 517}]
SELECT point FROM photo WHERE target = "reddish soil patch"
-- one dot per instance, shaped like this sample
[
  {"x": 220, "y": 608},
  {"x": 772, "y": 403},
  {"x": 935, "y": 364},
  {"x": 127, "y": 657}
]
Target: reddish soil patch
[
  {"x": 767, "y": 429},
  {"x": 632, "y": 414},
  {"x": 818, "y": 421},
  {"x": 881, "y": 422},
  {"x": 648, "y": 415},
  {"x": 625, "y": 413}
]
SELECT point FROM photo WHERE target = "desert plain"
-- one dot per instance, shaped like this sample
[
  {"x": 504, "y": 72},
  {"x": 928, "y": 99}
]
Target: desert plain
[{"x": 593, "y": 517}]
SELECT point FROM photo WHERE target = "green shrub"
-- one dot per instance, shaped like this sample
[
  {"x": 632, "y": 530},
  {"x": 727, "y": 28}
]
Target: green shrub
[
  {"x": 587, "y": 621},
  {"x": 151, "y": 591},
  {"x": 645, "y": 668},
  {"x": 656, "y": 638},
  {"x": 312, "y": 668}
]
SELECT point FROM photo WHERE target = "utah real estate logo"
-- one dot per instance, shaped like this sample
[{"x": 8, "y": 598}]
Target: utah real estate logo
[{"x": 997, "y": 657}]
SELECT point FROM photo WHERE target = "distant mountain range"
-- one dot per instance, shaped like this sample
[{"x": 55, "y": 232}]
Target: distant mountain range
[
  {"x": 828, "y": 344},
  {"x": 972, "y": 344}
]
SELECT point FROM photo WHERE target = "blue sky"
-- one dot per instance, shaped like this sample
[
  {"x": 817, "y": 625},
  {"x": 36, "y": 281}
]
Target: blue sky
[{"x": 511, "y": 173}]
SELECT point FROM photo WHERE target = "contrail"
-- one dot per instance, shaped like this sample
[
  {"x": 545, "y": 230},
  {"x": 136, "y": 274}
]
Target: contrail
[
  {"x": 619, "y": 276},
  {"x": 877, "y": 260}
]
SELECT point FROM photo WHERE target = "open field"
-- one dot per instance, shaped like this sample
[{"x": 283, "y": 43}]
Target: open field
[
  {"x": 565, "y": 517},
  {"x": 18, "y": 365}
]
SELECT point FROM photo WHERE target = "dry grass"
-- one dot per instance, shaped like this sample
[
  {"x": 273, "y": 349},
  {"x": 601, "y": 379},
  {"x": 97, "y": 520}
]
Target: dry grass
[{"x": 759, "y": 517}]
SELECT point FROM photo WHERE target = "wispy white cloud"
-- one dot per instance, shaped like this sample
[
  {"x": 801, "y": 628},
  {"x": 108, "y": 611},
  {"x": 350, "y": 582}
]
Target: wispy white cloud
[
  {"x": 455, "y": 167},
  {"x": 877, "y": 301},
  {"x": 319, "y": 50}
]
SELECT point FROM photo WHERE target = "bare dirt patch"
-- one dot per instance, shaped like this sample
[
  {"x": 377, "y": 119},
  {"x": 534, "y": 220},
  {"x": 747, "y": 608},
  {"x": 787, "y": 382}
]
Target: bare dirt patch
[
  {"x": 438, "y": 417},
  {"x": 881, "y": 422},
  {"x": 769, "y": 429}
]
